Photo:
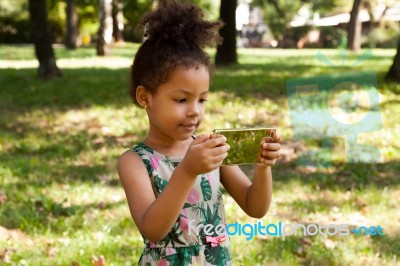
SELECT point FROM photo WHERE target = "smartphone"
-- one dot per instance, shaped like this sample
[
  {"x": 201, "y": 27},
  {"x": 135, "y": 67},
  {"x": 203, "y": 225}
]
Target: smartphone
[{"x": 245, "y": 143}]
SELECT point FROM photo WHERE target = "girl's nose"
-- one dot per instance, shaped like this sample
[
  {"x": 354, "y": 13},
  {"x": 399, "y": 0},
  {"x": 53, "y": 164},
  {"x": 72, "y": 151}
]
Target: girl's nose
[{"x": 193, "y": 111}]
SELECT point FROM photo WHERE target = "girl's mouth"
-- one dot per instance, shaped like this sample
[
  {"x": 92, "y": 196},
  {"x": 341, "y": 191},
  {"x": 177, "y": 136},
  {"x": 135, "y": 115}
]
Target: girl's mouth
[{"x": 190, "y": 126}]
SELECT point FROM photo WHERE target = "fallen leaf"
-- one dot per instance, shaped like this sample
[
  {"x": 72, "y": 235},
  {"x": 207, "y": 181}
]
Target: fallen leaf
[
  {"x": 98, "y": 261},
  {"x": 3, "y": 197},
  {"x": 330, "y": 244},
  {"x": 4, "y": 235},
  {"x": 5, "y": 255},
  {"x": 14, "y": 234},
  {"x": 102, "y": 205},
  {"x": 99, "y": 236},
  {"x": 306, "y": 241},
  {"x": 51, "y": 251},
  {"x": 300, "y": 250}
]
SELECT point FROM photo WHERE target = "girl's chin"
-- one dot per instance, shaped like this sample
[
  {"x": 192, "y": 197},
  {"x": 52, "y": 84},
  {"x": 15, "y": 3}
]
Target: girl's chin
[{"x": 185, "y": 136}]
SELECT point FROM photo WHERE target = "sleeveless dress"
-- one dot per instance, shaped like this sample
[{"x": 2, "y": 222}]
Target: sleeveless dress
[{"x": 198, "y": 236}]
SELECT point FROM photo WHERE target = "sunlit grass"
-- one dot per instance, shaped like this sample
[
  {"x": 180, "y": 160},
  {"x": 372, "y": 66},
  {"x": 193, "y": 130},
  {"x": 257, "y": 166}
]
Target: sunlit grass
[{"x": 60, "y": 140}]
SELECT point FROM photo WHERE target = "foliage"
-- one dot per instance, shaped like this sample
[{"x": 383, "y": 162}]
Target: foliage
[
  {"x": 384, "y": 36},
  {"x": 279, "y": 13},
  {"x": 14, "y": 31},
  {"x": 15, "y": 28},
  {"x": 14, "y": 23},
  {"x": 333, "y": 37},
  {"x": 14, "y": 8},
  {"x": 61, "y": 202},
  {"x": 210, "y": 7},
  {"x": 134, "y": 9},
  {"x": 325, "y": 8},
  {"x": 57, "y": 16}
]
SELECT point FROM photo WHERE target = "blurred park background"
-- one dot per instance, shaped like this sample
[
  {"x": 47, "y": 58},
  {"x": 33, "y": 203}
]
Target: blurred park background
[{"x": 65, "y": 117}]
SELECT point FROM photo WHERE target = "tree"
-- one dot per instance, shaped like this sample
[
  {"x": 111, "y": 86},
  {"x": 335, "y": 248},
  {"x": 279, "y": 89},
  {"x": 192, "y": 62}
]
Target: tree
[
  {"x": 226, "y": 52},
  {"x": 394, "y": 71},
  {"x": 72, "y": 25},
  {"x": 104, "y": 34},
  {"x": 118, "y": 21},
  {"x": 354, "y": 27},
  {"x": 40, "y": 31}
]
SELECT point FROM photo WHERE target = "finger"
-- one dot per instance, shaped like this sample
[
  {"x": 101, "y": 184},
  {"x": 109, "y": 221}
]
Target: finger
[
  {"x": 277, "y": 138},
  {"x": 201, "y": 138},
  {"x": 271, "y": 146},
  {"x": 218, "y": 150},
  {"x": 271, "y": 137},
  {"x": 268, "y": 162},
  {"x": 264, "y": 140},
  {"x": 216, "y": 142},
  {"x": 271, "y": 154},
  {"x": 216, "y": 135},
  {"x": 218, "y": 159}
]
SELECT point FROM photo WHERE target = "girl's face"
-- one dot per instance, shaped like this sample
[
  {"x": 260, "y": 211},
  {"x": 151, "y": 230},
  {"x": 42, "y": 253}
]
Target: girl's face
[{"x": 177, "y": 108}]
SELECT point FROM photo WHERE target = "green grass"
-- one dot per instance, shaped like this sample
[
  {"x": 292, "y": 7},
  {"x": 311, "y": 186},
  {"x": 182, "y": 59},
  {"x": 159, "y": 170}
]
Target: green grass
[{"x": 60, "y": 140}]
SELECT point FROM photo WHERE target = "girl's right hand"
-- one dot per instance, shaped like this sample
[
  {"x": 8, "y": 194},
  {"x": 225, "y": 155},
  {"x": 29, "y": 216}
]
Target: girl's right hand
[{"x": 205, "y": 154}]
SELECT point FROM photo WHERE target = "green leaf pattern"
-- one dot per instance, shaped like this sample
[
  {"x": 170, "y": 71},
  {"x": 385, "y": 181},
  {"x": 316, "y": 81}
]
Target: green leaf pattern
[{"x": 205, "y": 188}]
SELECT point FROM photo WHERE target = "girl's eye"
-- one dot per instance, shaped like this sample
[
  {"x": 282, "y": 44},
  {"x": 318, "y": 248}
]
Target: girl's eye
[
  {"x": 180, "y": 100},
  {"x": 203, "y": 100}
]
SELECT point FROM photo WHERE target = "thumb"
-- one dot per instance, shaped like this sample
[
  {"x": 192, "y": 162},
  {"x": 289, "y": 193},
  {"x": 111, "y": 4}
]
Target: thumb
[{"x": 201, "y": 138}]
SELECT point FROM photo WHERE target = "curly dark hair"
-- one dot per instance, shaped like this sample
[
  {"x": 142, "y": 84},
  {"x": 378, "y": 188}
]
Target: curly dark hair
[{"x": 176, "y": 34}]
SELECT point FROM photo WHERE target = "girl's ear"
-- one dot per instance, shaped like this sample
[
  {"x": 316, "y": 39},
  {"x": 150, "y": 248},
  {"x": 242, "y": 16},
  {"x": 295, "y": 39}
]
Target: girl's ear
[{"x": 143, "y": 96}]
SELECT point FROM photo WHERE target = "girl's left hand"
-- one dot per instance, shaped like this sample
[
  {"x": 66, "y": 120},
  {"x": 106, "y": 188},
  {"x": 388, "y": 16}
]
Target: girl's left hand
[{"x": 269, "y": 151}]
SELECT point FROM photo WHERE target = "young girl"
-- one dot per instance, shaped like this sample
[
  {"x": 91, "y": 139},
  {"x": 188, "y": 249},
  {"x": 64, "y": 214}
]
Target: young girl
[{"x": 172, "y": 178}]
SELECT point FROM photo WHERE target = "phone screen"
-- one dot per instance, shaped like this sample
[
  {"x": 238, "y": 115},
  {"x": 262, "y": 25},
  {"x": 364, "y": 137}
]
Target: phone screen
[{"x": 245, "y": 143}]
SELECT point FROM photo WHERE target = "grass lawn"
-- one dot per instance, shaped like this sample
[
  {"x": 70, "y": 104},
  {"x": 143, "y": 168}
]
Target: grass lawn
[{"x": 61, "y": 202}]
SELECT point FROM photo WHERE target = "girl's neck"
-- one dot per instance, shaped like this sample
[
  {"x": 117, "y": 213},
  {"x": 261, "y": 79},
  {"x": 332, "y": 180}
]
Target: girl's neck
[{"x": 169, "y": 147}]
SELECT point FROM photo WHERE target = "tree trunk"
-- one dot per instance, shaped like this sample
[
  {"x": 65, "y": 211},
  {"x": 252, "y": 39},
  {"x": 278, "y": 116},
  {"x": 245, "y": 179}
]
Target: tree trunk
[
  {"x": 226, "y": 52},
  {"x": 72, "y": 25},
  {"x": 118, "y": 21},
  {"x": 41, "y": 38},
  {"x": 354, "y": 27},
  {"x": 104, "y": 34},
  {"x": 394, "y": 71}
]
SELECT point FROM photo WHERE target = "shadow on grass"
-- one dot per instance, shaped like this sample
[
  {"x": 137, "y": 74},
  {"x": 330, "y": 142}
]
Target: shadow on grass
[
  {"x": 293, "y": 250},
  {"x": 83, "y": 87},
  {"x": 389, "y": 246},
  {"x": 58, "y": 162},
  {"x": 39, "y": 213},
  {"x": 344, "y": 177},
  {"x": 269, "y": 79},
  {"x": 78, "y": 88},
  {"x": 314, "y": 250},
  {"x": 266, "y": 80}
]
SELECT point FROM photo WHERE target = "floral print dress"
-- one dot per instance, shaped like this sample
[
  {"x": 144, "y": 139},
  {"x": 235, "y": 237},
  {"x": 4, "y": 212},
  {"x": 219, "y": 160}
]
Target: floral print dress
[{"x": 198, "y": 237}]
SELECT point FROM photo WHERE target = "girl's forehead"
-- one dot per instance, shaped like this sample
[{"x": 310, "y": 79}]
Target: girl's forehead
[{"x": 187, "y": 81}]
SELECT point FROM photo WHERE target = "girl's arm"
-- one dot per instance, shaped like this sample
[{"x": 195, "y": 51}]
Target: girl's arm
[
  {"x": 153, "y": 216},
  {"x": 254, "y": 198}
]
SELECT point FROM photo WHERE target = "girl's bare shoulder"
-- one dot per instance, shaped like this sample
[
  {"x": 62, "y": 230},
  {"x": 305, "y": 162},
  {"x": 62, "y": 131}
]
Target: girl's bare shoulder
[{"x": 130, "y": 165}]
